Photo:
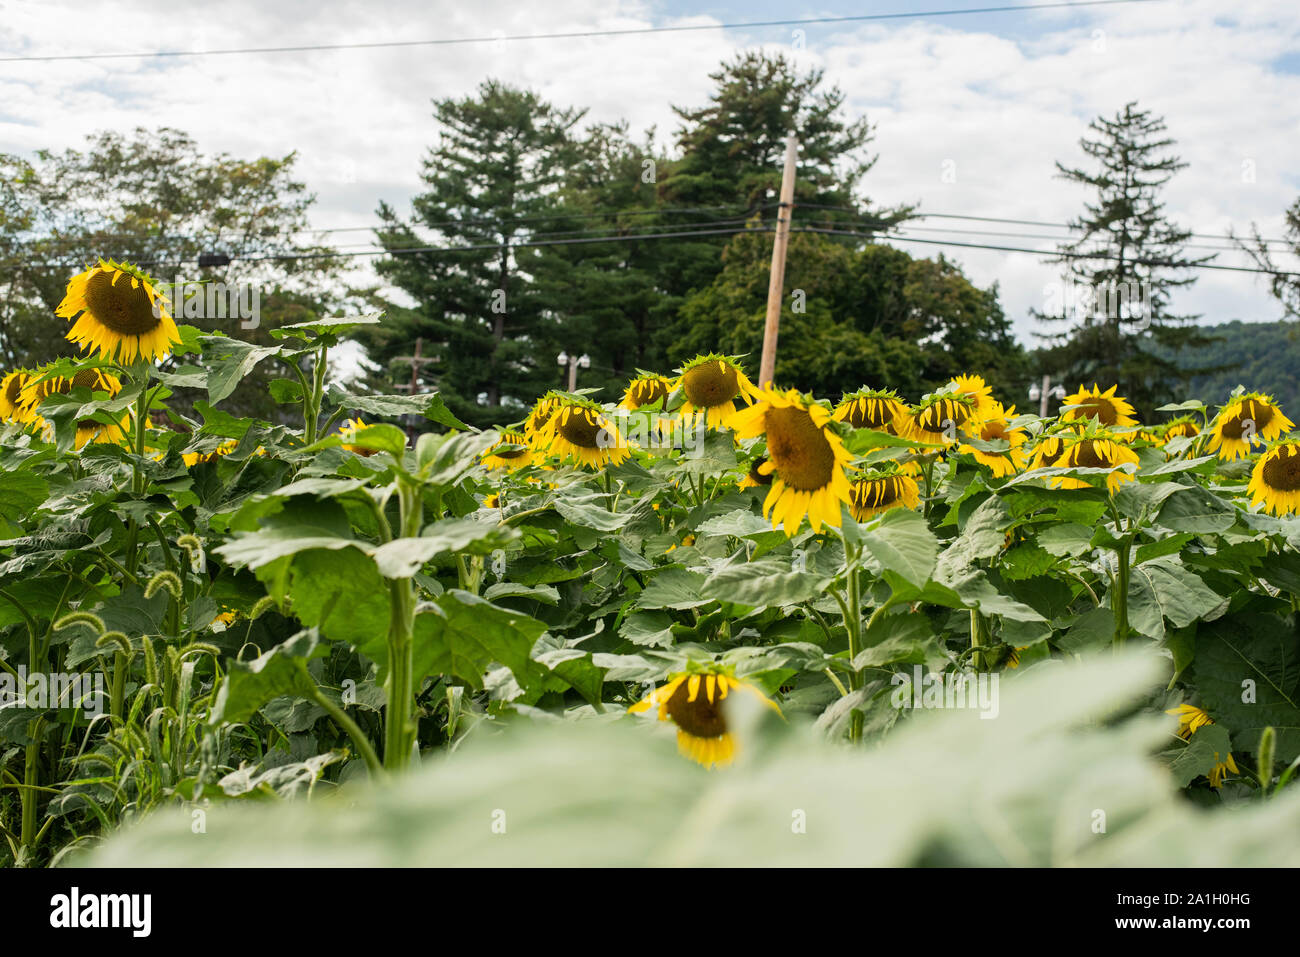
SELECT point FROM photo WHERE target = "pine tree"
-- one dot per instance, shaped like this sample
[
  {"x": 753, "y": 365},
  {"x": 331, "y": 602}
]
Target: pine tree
[
  {"x": 492, "y": 182},
  {"x": 1119, "y": 274}
]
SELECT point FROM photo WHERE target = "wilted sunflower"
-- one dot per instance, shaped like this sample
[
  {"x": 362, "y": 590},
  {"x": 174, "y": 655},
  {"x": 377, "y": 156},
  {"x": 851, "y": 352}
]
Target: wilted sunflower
[
  {"x": 938, "y": 417},
  {"x": 756, "y": 477},
  {"x": 1246, "y": 421},
  {"x": 510, "y": 451},
  {"x": 712, "y": 385},
  {"x": 121, "y": 314},
  {"x": 11, "y": 389},
  {"x": 981, "y": 392},
  {"x": 877, "y": 409},
  {"x": 1190, "y": 720},
  {"x": 1275, "y": 482},
  {"x": 881, "y": 492},
  {"x": 1091, "y": 450},
  {"x": 992, "y": 425},
  {"x": 579, "y": 431},
  {"x": 694, "y": 702},
  {"x": 646, "y": 389},
  {"x": 1107, "y": 408},
  {"x": 806, "y": 455},
  {"x": 348, "y": 433}
]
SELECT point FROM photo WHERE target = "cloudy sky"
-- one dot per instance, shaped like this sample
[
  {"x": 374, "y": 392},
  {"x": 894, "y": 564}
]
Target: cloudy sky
[{"x": 971, "y": 110}]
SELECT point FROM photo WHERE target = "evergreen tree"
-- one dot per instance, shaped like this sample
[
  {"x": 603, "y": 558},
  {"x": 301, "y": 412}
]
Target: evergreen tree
[
  {"x": 492, "y": 182},
  {"x": 1284, "y": 283},
  {"x": 1113, "y": 308}
]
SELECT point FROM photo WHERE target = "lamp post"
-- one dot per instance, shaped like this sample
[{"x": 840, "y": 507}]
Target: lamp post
[
  {"x": 573, "y": 362},
  {"x": 1041, "y": 394}
]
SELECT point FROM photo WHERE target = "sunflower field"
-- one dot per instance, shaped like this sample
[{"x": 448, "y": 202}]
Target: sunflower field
[{"x": 699, "y": 594}]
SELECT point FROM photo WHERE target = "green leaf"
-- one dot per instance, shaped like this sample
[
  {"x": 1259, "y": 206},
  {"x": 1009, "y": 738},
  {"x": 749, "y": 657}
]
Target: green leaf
[
  {"x": 403, "y": 557},
  {"x": 229, "y": 361},
  {"x": 426, "y": 404},
  {"x": 462, "y": 634},
  {"x": 763, "y": 583},
  {"x": 901, "y": 543},
  {"x": 1196, "y": 510},
  {"x": 249, "y": 685}
]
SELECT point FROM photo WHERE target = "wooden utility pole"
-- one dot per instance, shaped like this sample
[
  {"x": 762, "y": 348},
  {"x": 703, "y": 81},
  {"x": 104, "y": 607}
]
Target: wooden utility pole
[
  {"x": 417, "y": 362},
  {"x": 776, "y": 285}
]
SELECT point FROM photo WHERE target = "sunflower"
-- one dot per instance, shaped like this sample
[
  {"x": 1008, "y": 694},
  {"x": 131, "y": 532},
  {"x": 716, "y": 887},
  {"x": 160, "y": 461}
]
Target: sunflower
[
  {"x": 981, "y": 392},
  {"x": 1095, "y": 450},
  {"x": 712, "y": 385},
  {"x": 1107, "y": 408},
  {"x": 1183, "y": 427},
  {"x": 1047, "y": 452},
  {"x": 1275, "y": 482},
  {"x": 877, "y": 409},
  {"x": 1190, "y": 720},
  {"x": 492, "y": 501},
  {"x": 755, "y": 477},
  {"x": 538, "y": 417},
  {"x": 1246, "y": 421},
  {"x": 225, "y": 448},
  {"x": 36, "y": 390},
  {"x": 693, "y": 702},
  {"x": 348, "y": 433},
  {"x": 993, "y": 425},
  {"x": 121, "y": 314},
  {"x": 579, "y": 431},
  {"x": 938, "y": 417},
  {"x": 806, "y": 455},
  {"x": 646, "y": 389},
  {"x": 881, "y": 492},
  {"x": 510, "y": 451},
  {"x": 11, "y": 388}
]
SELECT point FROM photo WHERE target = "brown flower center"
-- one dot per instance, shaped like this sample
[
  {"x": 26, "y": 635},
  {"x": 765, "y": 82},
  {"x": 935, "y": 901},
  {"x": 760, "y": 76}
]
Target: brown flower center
[
  {"x": 756, "y": 476},
  {"x": 122, "y": 306},
  {"x": 1253, "y": 417},
  {"x": 803, "y": 455},
  {"x": 873, "y": 493},
  {"x": 1086, "y": 455},
  {"x": 870, "y": 414},
  {"x": 1103, "y": 410},
  {"x": 648, "y": 391},
  {"x": 14, "y": 389},
  {"x": 942, "y": 415},
  {"x": 581, "y": 428},
  {"x": 701, "y": 717},
  {"x": 1282, "y": 470},
  {"x": 711, "y": 384}
]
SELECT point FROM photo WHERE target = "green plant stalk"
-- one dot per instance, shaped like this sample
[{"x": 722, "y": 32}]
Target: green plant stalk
[
  {"x": 853, "y": 624},
  {"x": 399, "y": 726},
  {"x": 31, "y": 755},
  {"x": 977, "y": 640},
  {"x": 137, "y": 476},
  {"x": 359, "y": 739},
  {"x": 1119, "y": 601},
  {"x": 316, "y": 396}
]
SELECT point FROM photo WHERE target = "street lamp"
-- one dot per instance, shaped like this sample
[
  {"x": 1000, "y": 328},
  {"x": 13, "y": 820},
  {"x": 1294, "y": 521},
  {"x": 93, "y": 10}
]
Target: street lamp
[
  {"x": 573, "y": 362},
  {"x": 1041, "y": 394}
]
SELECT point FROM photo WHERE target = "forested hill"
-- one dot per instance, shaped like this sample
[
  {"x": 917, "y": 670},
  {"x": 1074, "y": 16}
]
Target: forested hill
[{"x": 1264, "y": 356}]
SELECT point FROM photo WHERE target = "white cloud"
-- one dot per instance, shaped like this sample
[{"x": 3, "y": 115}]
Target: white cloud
[{"x": 1000, "y": 109}]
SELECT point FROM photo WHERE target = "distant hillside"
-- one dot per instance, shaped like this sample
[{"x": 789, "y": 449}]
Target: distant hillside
[{"x": 1265, "y": 356}]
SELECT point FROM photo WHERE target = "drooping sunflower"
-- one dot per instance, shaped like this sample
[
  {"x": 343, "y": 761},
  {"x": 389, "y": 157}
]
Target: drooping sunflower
[
  {"x": 712, "y": 385},
  {"x": 981, "y": 392},
  {"x": 937, "y": 417},
  {"x": 1095, "y": 450},
  {"x": 646, "y": 389},
  {"x": 538, "y": 417},
  {"x": 1190, "y": 720},
  {"x": 694, "y": 701},
  {"x": 1275, "y": 481},
  {"x": 36, "y": 390},
  {"x": 1107, "y": 408},
  {"x": 877, "y": 409},
  {"x": 992, "y": 425},
  {"x": 1047, "y": 452},
  {"x": 510, "y": 451},
  {"x": 11, "y": 389},
  {"x": 1183, "y": 427},
  {"x": 579, "y": 431},
  {"x": 882, "y": 491},
  {"x": 1248, "y": 420},
  {"x": 804, "y": 453},
  {"x": 122, "y": 314}
]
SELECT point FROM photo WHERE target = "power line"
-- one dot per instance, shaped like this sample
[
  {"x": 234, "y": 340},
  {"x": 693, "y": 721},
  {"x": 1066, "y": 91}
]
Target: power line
[{"x": 572, "y": 35}]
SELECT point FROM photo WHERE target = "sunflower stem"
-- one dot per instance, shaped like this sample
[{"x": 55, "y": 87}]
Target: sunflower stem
[{"x": 400, "y": 726}]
